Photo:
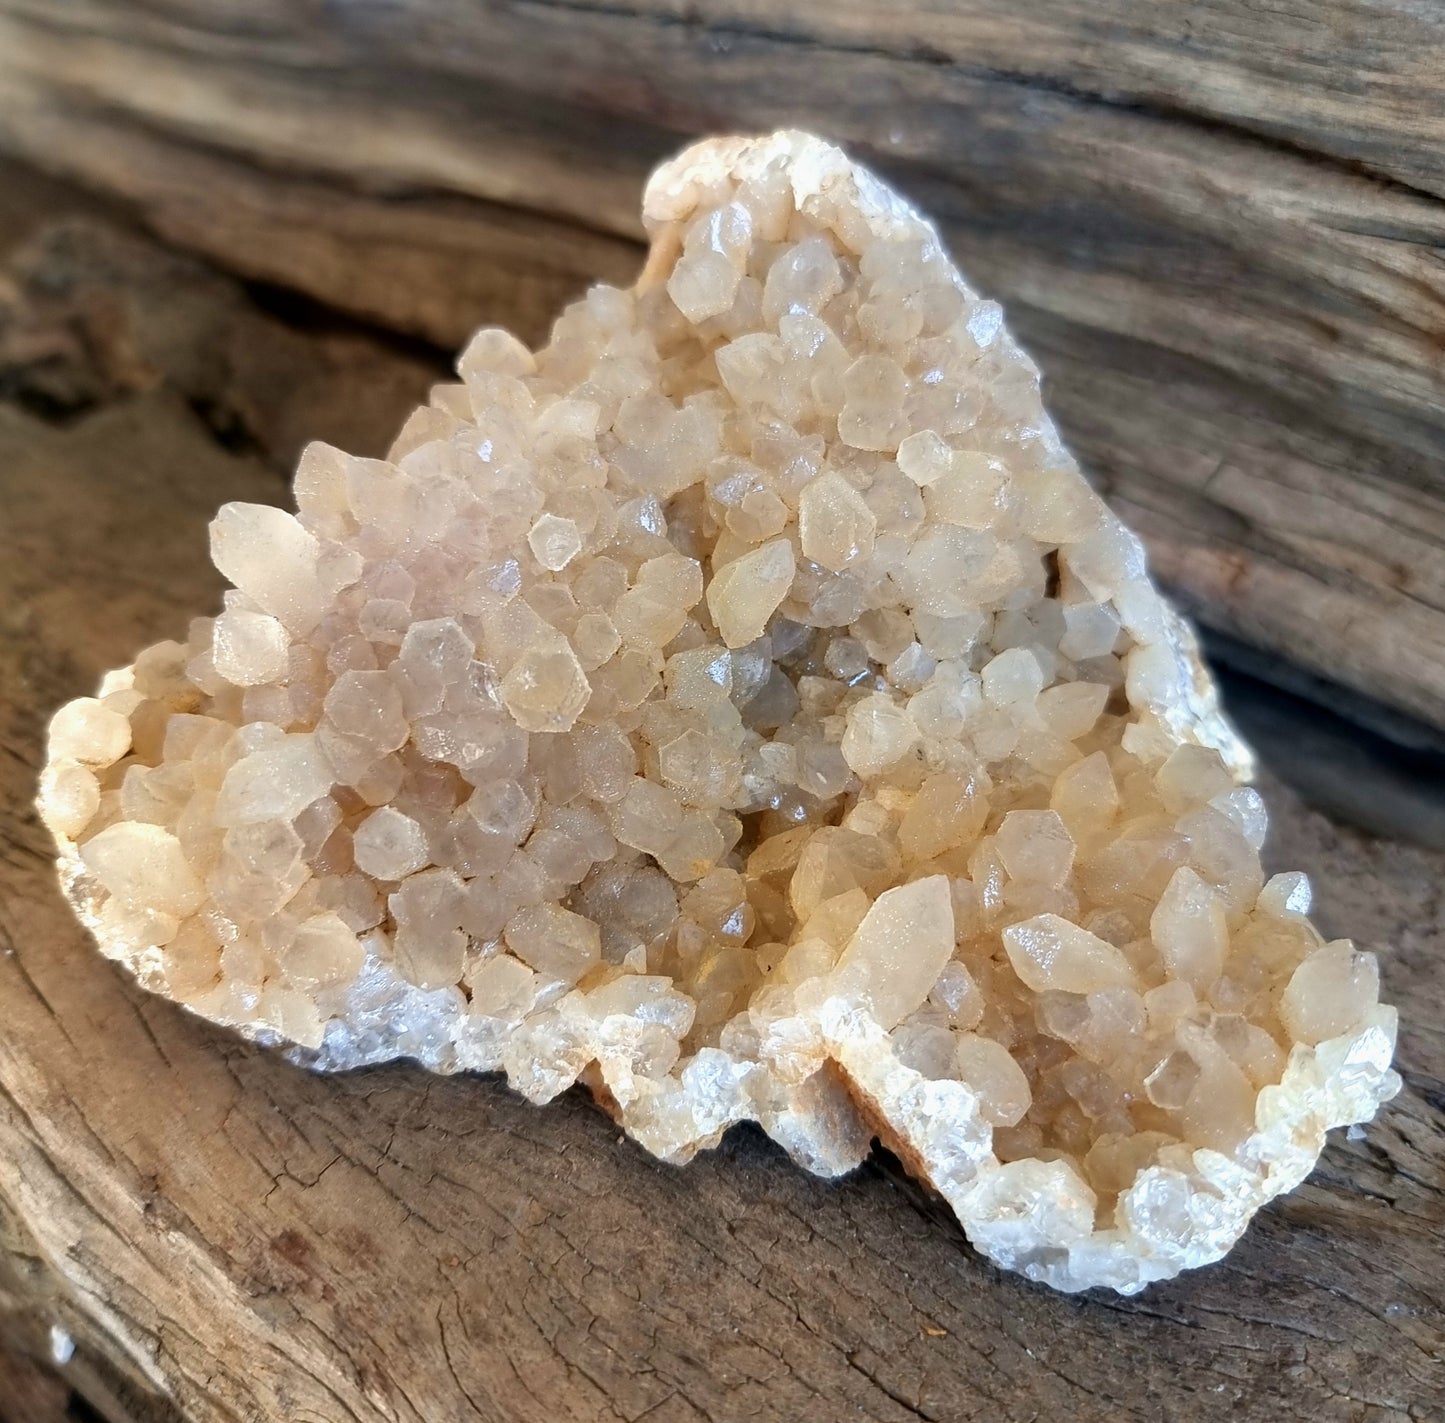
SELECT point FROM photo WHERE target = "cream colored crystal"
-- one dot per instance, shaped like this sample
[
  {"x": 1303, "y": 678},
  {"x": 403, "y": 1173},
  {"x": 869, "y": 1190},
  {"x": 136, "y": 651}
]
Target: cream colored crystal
[
  {"x": 989, "y": 1068},
  {"x": 742, "y": 705},
  {"x": 895, "y": 956},
  {"x": 745, "y": 593},
  {"x": 1049, "y": 954},
  {"x": 835, "y": 525},
  {"x": 388, "y": 845}
]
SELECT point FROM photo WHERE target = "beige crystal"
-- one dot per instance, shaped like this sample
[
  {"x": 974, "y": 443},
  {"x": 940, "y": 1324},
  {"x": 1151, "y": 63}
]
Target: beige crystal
[{"x": 742, "y": 705}]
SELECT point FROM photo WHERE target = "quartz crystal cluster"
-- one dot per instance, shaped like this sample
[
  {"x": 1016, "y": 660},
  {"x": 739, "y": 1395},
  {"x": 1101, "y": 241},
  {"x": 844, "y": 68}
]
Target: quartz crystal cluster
[{"x": 742, "y": 705}]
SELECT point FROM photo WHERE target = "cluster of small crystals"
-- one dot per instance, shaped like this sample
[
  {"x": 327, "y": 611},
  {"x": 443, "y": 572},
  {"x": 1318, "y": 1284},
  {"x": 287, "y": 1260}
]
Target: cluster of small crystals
[{"x": 755, "y": 642}]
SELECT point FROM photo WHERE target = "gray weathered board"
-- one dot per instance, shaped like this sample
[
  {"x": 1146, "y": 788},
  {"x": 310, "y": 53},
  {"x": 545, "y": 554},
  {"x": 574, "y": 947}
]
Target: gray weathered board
[{"x": 225, "y": 1238}]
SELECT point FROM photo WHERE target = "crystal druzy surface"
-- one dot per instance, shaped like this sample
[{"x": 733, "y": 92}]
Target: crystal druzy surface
[{"x": 744, "y": 706}]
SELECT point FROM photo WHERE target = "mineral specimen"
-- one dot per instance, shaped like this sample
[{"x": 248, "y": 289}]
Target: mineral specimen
[{"x": 742, "y": 705}]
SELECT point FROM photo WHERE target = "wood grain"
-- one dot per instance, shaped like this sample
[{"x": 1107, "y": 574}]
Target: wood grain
[
  {"x": 29, "y": 1393},
  {"x": 1218, "y": 224},
  {"x": 230, "y": 1240}
]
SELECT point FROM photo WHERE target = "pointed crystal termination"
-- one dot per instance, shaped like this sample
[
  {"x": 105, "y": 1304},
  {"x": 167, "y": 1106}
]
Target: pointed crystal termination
[{"x": 744, "y": 705}]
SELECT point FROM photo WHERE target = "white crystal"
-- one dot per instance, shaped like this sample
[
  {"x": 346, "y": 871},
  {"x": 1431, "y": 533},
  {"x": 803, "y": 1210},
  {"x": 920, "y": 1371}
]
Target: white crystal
[
  {"x": 277, "y": 563},
  {"x": 1189, "y": 929},
  {"x": 925, "y": 457},
  {"x": 554, "y": 941},
  {"x": 324, "y": 952},
  {"x": 70, "y": 794},
  {"x": 554, "y": 542},
  {"x": 546, "y": 688},
  {"x": 899, "y": 949},
  {"x": 878, "y": 735},
  {"x": 144, "y": 867},
  {"x": 988, "y": 1067},
  {"x": 1330, "y": 993},
  {"x": 1050, "y": 954},
  {"x": 88, "y": 731},
  {"x": 746, "y": 592},
  {"x": 250, "y": 649},
  {"x": 388, "y": 845},
  {"x": 835, "y": 527},
  {"x": 275, "y": 782}
]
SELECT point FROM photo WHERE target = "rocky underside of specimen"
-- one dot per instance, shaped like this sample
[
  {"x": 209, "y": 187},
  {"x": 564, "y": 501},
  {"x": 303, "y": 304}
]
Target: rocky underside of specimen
[{"x": 742, "y": 705}]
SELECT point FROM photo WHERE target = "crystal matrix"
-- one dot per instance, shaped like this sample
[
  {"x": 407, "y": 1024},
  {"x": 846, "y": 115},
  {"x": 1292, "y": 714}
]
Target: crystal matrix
[{"x": 742, "y": 705}]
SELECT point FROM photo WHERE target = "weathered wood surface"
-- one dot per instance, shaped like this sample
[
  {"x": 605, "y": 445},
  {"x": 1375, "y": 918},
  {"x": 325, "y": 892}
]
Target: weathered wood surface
[
  {"x": 1218, "y": 224},
  {"x": 227, "y": 1239},
  {"x": 30, "y": 1393}
]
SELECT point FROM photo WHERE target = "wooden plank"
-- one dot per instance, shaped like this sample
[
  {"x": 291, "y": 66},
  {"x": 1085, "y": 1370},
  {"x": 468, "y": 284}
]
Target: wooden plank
[
  {"x": 226, "y": 1238},
  {"x": 1218, "y": 224},
  {"x": 28, "y": 1392}
]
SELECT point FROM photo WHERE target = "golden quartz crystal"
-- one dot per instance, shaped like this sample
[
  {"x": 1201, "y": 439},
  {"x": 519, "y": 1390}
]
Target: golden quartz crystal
[{"x": 744, "y": 705}]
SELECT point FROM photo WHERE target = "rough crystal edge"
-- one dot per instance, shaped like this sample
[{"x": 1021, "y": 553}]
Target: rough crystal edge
[
  {"x": 1173, "y": 1217},
  {"x": 1169, "y": 1220},
  {"x": 852, "y": 1087}
]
